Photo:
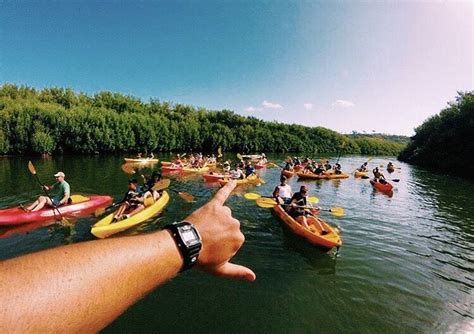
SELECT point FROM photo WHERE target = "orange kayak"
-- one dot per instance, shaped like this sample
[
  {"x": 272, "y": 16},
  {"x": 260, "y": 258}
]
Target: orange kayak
[
  {"x": 384, "y": 187},
  {"x": 287, "y": 173},
  {"x": 313, "y": 236}
]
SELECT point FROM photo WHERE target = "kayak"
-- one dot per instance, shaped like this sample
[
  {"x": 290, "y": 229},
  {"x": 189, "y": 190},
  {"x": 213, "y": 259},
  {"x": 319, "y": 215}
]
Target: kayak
[
  {"x": 195, "y": 170},
  {"x": 142, "y": 160},
  {"x": 80, "y": 206},
  {"x": 215, "y": 177},
  {"x": 361, "y": 174},
  {"x": 313, "y": 236},
  {"x": 171, "y": 168},
  {"x": 104, "y": 227},
  {"x": 313, "y": 176},
  {"x": 257, "y": 166},
  {"x": 387, "y": 187},
  {"x": 252, "y": 156},
  {"x": 252, "y": 179},
  {"x": 287, "y": 173}
]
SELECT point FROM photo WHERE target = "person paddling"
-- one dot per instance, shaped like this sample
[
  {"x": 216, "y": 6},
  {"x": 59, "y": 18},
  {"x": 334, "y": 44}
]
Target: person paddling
[
  {"x": 298, "y": 209},
  {"x": 282, "y": 192},
  {"x": 378, "y": 176},
  {"x": 64, "y": 193},
  {"x": 132, "y": 202}
]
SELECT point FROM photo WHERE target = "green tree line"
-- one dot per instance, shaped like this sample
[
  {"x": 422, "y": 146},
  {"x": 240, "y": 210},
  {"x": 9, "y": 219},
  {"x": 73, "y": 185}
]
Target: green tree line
[
  {"x": 61, "y": 120},
  {"x": 445, "y": 142}
]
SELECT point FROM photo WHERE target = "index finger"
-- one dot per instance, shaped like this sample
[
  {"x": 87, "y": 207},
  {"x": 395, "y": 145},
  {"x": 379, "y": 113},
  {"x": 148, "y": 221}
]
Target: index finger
[{"x": 222, "y": 195}]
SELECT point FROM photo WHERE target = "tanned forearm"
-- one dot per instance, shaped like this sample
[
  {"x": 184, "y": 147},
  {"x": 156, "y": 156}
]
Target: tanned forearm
[{"x": 95, "y": 280}]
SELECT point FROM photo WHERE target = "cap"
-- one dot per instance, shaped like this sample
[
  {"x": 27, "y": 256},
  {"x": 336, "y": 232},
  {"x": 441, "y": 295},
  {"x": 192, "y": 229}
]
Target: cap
[{"x": 58, "y": 174}]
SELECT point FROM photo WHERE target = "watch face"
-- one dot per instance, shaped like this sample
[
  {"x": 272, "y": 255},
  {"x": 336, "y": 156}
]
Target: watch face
[{"x": 189, "y": 237}]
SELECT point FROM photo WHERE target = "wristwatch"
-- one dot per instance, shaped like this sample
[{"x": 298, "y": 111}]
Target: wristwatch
[{"x": 188, "y": 240}]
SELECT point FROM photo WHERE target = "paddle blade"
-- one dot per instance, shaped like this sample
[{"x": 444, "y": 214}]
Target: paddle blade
[
  {"x": 128, "y": 169},
  {"x": 239, "y": 156},
  {"x": 313, "y": 200},
  {"x": 338, "y": 212},
  {"x": 219, "y": 152},
  {"x": 252, "y": 196},
  {"x": 186, "y": 196},
  {"x": 160, "y": 185},
  {"x": 395, "y": 180},
  {"x": 266, "y": 202},
  {"x": 31, "y": 168}
]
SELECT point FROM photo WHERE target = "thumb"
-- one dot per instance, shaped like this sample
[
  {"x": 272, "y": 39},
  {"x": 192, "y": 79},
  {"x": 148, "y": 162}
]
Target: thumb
[{"x": 235, "y": 271}]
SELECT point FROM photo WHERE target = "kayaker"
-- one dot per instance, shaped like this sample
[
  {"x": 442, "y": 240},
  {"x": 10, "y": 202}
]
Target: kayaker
[
  {"x": 249, "y": 169},
  {"x": 64, "y": 192},
  {"x": 289, "y": 166},
  {"x": 226, "y": 168},
  {"x": 149, "y": 184},
  {"x": 299, "y": 208},
  {"x": 237, "y": 173},
  {"x": 378, "y": 176},
  {"x": 132, "y": 202},
  {"x": 139, "y": 155},
  {"x": 363, "y": 168},
  {"x": 337, "y": 169},
  {"x": 282, "y": 192},
  {"x": 151, "y": 155},
  {"x": 108, "y": 277},
  {"x": 327, "y": 165}
]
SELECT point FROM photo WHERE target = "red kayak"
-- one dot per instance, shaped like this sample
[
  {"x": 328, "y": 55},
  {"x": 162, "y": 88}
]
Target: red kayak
[
  {"x": 384, "y": 187},
  {"x": 80, "y": 206},
  {"x": 257, "y": 166},
  {"x": 214, "y": 177}
]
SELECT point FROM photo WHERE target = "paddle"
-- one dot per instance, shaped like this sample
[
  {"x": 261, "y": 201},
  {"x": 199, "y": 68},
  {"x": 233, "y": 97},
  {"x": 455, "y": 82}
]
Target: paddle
[
  {"x": 270, "y": 203},
  {"x": 165, "y": 183},
  {"x": 219, "y": 152},
  {"x": 254, "y": 196},
  {"x": 239, "y": 156},
  {"x": 32, "y": 170},
  {"x": 128, "y": 169}
]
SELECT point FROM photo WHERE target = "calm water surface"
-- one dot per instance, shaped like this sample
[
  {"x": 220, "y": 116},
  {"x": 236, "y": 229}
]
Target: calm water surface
[{"x": 406, "y": 264}]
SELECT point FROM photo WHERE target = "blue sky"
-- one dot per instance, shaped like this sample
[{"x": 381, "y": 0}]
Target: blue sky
[{"x": 383, "y": 66}]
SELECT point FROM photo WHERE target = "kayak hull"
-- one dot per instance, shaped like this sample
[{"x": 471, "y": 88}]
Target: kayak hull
[
  {"x": 361, "y": 174},
  {"x": 312, "y": 176},
  {"x": 381, "y": 187},
  {"x": 104, "y": 227},
  {"x": 253, "y": 179},
  {"x": 214, "y": 177},
  {"x": 81, "y": 206},
  {"x": 145, "y": 160},
  {"x": 314, "y": 236}
]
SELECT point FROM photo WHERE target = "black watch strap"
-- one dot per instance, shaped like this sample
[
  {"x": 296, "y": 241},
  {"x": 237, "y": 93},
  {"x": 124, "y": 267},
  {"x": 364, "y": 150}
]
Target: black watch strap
[{"x": 188, "y": 240}]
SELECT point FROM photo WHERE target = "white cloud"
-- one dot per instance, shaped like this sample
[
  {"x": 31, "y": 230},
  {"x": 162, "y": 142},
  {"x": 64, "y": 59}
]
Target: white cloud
[
  {"x": 308, "y": 106},
  {"x": 252, "y": 109},
  {"x": 270, "y": 105},
  {"x": 343, "y": 104}
]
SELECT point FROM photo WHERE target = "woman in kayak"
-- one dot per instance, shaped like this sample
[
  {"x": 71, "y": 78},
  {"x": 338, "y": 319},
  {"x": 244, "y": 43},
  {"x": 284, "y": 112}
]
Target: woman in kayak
[
  {"x": 282, "y": 193},
  {"x": 149, "y": 184},
  {"x": 132, "y": 202},
  {"x": 298, "y": 208},
  {"x": 60, "y": 199},
  {"x": 363, "y": 168}
]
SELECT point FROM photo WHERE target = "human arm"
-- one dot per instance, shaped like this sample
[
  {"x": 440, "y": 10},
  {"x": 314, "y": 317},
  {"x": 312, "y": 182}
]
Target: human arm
[{"x": 84, "y": 287}]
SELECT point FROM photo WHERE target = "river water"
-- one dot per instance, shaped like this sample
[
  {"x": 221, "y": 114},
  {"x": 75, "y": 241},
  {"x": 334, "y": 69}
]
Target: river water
[{"x": 406, "y": 264}]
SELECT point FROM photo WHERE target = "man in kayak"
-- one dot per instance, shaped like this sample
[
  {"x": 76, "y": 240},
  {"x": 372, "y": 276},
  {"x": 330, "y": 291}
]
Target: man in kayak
[
  {"x": 249, "y": 169},
  {"x": 282, "y": 192},
  {"x": 132, "y": 202},
  {"x": 42, "y": 285},
  {"x": 298, "y": 208},
  {"x": 378, "y": 176},
  {"x": 237, "y": 173},
  {"x": 64, "y": 192},
  {"x": 337, "y": 169}
]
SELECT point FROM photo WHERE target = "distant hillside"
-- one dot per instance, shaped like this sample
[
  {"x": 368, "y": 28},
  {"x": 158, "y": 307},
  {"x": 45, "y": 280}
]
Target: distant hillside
[
  {"x": 61, "y": 120},
  {"x": 445, "y": 142}
]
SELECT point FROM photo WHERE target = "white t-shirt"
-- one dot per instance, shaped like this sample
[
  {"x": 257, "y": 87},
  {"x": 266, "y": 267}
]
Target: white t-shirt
[{"x": 284, "y": 191}]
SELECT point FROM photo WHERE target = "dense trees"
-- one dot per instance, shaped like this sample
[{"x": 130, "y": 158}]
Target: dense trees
[
  {"x": 60, "y": 120},
  {"x": 445, "y": 142}
]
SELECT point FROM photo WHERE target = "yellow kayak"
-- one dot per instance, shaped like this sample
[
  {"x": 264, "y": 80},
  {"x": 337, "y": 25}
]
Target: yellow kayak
[
  {"x": 104, "y": 227},
  {"x": 361, "y": 174},
  {"x": 195, "y": 170},
  {"x": 252, "y": 179}
]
